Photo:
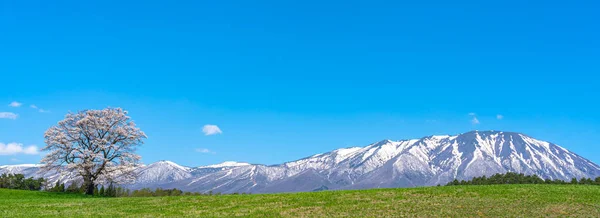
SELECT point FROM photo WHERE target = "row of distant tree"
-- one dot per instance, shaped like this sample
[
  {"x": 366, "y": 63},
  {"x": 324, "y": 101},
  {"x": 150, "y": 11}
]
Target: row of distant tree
[
  {"x": 519, "y": 178},
  {"x": 146, "y": 192},
  {"x": 18, "y": 181},
  {"x": 110, "y": 191},
  {"x": 116, "y": 191}
]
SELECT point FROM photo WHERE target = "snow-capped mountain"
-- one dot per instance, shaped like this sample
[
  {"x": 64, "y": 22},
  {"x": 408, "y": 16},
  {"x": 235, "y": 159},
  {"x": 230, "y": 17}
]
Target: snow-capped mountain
[
  {"x": 225, "y": 165},
  {"x": 29, "y": 170},
  {"x": 161, "y": 172},
  {"x": 33, "y": 170},
  {"x": 427, "y": 161}
]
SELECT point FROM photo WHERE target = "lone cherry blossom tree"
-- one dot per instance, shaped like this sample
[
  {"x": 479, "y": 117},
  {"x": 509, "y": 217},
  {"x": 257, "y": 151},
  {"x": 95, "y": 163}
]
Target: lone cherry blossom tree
[{"x": 99, "y": 145}]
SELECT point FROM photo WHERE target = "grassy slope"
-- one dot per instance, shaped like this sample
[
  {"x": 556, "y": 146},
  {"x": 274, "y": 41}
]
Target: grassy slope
[{"x": 455, "y": 201}]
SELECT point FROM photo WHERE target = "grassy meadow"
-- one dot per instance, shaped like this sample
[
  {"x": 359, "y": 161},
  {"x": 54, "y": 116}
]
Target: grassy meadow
[{"x": 445, "y": 201}]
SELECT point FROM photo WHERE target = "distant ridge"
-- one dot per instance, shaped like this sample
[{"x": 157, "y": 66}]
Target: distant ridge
[{"x": 427, "y": 161}]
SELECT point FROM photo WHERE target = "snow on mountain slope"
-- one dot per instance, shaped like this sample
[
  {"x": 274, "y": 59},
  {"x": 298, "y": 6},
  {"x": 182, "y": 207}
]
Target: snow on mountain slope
[
  {"x": 226, "y": 164},
  {"x": 427, "y": 161},
  {"x": 162, "y": 172},
  {"x": 29, "y": 170},
  {"x": 32, "y": 170}
]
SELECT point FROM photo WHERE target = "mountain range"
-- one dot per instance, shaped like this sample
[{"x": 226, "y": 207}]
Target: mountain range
[{"x": 426, "y": 161}]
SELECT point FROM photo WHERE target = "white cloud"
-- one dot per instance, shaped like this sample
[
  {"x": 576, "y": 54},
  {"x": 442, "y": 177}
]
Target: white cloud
[
  {"x": 15, "y": 104},
  {"x": 205, "y": 151},
  {"x": 39, "y": 109},
  {"x": 14, "y": 160},
  {"x": 474, "y": 119},
  {"x": 8, "y": 115},
  {"x": 499, "y": 116},
  {"x": 211, "y": 130},
  {"x": 17, "y": 148}
]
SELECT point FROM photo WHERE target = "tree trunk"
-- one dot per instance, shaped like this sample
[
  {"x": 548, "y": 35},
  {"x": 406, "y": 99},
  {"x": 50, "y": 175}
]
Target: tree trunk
[{"x": 89, "y": 185}]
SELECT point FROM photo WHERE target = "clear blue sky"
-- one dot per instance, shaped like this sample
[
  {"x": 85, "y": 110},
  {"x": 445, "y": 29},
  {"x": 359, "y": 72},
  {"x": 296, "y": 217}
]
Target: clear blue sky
[{"x": 288, "y": 79}]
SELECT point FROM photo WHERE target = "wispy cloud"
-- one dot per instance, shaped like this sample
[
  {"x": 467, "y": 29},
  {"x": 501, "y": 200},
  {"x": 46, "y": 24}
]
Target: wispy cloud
[
  {"x": 205, "y": 151},
  {"x": 474, "y": 119},
  {"x": 14, "y": 160},
  {"x": 39, "y": 109},
  {"x": 15, "y": 104},
  {"x": 8, "y": 115},
  {"x": 17, "y": 148},
  {"x": 211, "y": 129},
  {"x": 499, "y": 116}
]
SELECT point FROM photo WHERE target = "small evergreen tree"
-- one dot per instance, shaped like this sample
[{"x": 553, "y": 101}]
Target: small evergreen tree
[
  {"x": 56, "y": 187},
  {"x": 114, "y": 191},
  {"x": 73, "y": 187},
  {"x": 119, "y": 192},
  {"x": 101, "y": 192},
  {"x": 574, "y": 181},
  {"x": 176, "y": 192},
  {"x": 82, "y": 189},
  {"x": 111, "y": 191}
]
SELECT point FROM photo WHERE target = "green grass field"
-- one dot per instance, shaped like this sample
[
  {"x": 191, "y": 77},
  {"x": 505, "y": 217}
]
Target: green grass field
[{"x": 453, "y": 201}]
